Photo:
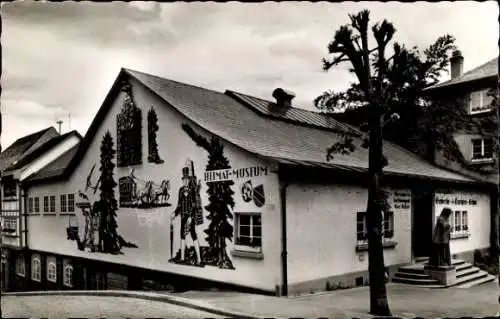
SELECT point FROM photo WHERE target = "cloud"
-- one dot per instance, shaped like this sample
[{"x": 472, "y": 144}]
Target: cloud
[{"x": 65, "y": 56}]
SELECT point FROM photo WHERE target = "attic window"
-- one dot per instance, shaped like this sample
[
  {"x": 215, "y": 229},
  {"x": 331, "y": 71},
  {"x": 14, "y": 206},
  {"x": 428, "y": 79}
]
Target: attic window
[
  {"x": 9, "y": 186},
  {"x": 129, "y": 127}
]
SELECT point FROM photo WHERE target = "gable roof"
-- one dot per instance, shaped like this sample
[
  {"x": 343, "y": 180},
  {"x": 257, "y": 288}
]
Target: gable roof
[
  {"x": 30, "y": 157},
  {"x": 19, "y": 147},
  {"x": 56, "y": 168},
  {"x": 300, "y": 138},
  {"x": 488, "y": 70}
]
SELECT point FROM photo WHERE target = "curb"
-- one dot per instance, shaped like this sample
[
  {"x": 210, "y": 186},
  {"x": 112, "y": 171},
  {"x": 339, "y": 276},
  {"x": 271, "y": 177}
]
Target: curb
[{"x": 179, "y": 301}]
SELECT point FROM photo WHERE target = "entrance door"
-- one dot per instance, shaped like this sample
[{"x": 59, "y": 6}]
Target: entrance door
[
  {"x": 422, "y": 223},
  {"x": 4, "y": 276}
]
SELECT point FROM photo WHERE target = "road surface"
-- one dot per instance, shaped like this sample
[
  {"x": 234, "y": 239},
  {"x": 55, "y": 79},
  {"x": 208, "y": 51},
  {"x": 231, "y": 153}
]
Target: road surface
[{"x": 93, "y": 307}]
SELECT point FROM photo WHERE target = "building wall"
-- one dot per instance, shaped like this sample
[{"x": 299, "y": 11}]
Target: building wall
[
  {"x": 478, "y": 210},
  {"x": 321, "y": 227},
  {"x": 149, "y": 228}
]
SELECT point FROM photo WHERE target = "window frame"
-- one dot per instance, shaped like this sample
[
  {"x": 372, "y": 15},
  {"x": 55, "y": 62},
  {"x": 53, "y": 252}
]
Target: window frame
[
  {"x": 9, "y": 221},
  {"x": 63, "y": 203},
  {"x": 68, "y": 279},
  {"x": 388, "y": 234},
  {"x": 36, "y": 204},
  {"x": 481, "y": 108},
  {"x": 46, "y": 207},
  {"x": 52, "y": 203},
  {"x": 52, "y": 272},
  {"x": 482, "y": 156},
  {"x": 30, "y": 205},
  {"x": 71, "y": 202},
  {"x": 9, "y": 187},
  {"x": 21, "y": 271},
  {"x": 245, "y": 247},
  {"x": 36, "y": 272}
]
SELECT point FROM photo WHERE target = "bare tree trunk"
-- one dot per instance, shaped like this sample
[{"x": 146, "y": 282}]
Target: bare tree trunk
[{"x": 376, "y": 269}]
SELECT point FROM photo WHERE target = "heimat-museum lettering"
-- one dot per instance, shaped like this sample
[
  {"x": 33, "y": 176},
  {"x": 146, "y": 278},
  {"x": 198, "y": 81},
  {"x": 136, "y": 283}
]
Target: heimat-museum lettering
[{"x": 230, "y": 174}]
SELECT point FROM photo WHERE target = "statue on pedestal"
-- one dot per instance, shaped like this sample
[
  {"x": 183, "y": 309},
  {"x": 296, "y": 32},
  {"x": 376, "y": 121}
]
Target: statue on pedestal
[{"x": 440, "y": 255}]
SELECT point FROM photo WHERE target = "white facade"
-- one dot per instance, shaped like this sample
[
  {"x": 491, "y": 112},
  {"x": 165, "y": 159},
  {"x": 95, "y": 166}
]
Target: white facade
[
  {"x": 476, "y": 234},
  {"x": 321, "y": 227}
]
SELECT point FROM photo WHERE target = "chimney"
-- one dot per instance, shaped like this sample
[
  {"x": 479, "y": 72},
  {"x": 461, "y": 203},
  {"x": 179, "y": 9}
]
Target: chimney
[
  {"x": 283, "y": 98},
  {"x": 456, "y": 64}
]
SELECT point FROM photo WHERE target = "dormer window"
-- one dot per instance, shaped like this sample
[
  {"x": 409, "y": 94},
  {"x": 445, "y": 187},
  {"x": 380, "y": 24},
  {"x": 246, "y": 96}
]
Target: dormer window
[{"x": 480, "y": 102}]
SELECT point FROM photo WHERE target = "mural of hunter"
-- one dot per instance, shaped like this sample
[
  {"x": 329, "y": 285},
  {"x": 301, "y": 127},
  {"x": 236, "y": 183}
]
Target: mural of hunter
[
  {"x": 221, "y": 202},
  {"x": 190, "y": 210},
  {"x": 101, "y": 228}
]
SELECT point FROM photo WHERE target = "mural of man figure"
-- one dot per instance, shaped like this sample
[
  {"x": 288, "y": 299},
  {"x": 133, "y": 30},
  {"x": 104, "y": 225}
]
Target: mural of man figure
[{"x": 190, "y": 211}]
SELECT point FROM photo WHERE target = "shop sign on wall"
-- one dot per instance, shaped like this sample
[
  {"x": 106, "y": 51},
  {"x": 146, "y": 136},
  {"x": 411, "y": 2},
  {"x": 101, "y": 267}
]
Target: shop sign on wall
[
  {"x": 454, "y": 200},
  {"x": 232, "y": 174},
  {"x": 402, "y": 200}
]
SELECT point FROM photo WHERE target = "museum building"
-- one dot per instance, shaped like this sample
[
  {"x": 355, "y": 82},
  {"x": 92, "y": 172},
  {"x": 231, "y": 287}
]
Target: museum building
[{"x": 182, "y": 186}]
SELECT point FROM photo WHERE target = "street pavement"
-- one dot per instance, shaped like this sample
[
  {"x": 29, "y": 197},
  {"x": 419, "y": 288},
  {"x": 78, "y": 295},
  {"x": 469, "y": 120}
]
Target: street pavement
[
  {"x": 405, "y": 302},
  {"x": 93, "y": 307}
]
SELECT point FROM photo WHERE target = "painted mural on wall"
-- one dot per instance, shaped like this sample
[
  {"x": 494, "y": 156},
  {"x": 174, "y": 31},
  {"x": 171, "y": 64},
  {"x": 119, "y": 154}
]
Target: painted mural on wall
[
  {"x": 101, "y": 229},
  {"x": 255, "y": 194},
  {"x": 190, "y": 208},
  {"x": 153, "y": 154},
  {"x": 139, "y": 193},
  {"x": 129, "y": 131}
]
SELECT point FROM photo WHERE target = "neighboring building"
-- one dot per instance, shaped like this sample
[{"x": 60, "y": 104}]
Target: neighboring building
[
  {"x": 25, "y": 157},
  {"x": 471, "y": 90},
  {"x": 242, "y": 183}
]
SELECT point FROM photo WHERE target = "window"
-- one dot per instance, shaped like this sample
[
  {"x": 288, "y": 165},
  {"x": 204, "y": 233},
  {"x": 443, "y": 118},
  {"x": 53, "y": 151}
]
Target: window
[
  {"x": 129, "y": 128},
  {"x": 362, "y": 230},
  {"x": 51, "y": 272},
  {"x": 64, "y": 206},
  {"x": 249, "y": 231},
  {"x": 465, "y": 222},
  {"x": 480, "y": 102},
  {"x": 30, "y": 205},
  {"x": 9, "y": 186},
  {"x": 20, "y": 266},
  {"x": 71, "y": 202},
  {"x": 46, "y": 204},
  {"x": 68, "y": 276},
  {"x": 37, "y": 205},
  {"x": 9, "y": 226},
  {"x": 36, "y": 270},
  {"x": 459, "y": 223},
  {"x": 52, "y": 204},
  {"x": 482, "y": 148}
]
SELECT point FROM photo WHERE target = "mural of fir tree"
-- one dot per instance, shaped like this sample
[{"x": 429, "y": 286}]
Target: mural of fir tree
[
  {"x": 153, "y": 156},
  {"x": 109, "y": 240},
  {"x": 220, "y": 197}
]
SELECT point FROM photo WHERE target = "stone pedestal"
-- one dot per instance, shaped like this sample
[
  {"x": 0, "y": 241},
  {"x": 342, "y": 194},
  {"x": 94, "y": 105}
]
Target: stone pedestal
[{"x": 446, "y": 275}]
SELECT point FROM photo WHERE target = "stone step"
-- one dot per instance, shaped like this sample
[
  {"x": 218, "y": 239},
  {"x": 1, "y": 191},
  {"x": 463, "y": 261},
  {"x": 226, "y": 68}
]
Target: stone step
[
  {"x": 472, "y": 277},
  {"x": 467, "y": 271},
  {"x": 477, "y": 282},
  {"x": 414, "y": 281},
  {"x": 463, "y": 266},
  {"x": 411, "y": 275}
]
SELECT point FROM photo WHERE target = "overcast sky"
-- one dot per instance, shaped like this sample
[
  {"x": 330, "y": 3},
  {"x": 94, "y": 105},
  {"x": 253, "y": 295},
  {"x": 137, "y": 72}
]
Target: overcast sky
[{"x": 61, "y": 58}]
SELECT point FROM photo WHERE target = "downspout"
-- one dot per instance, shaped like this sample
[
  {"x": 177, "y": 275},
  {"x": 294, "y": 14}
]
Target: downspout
[{"x": 284, "y": 267}]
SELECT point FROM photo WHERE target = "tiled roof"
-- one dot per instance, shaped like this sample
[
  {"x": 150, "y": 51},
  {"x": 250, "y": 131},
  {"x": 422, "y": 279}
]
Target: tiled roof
[
  {"x": 239, "y": 124},
  {"x": 57, "y": 167},
  {"x": 296, "y": 115},
  {"x": 28, "y": 158},
  {"x": 486, "y": 70},
  {"x": 17, "y": 149}
]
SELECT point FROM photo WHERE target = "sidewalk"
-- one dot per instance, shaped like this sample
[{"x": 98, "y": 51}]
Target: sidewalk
[{"x": 405, "y": 302}]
